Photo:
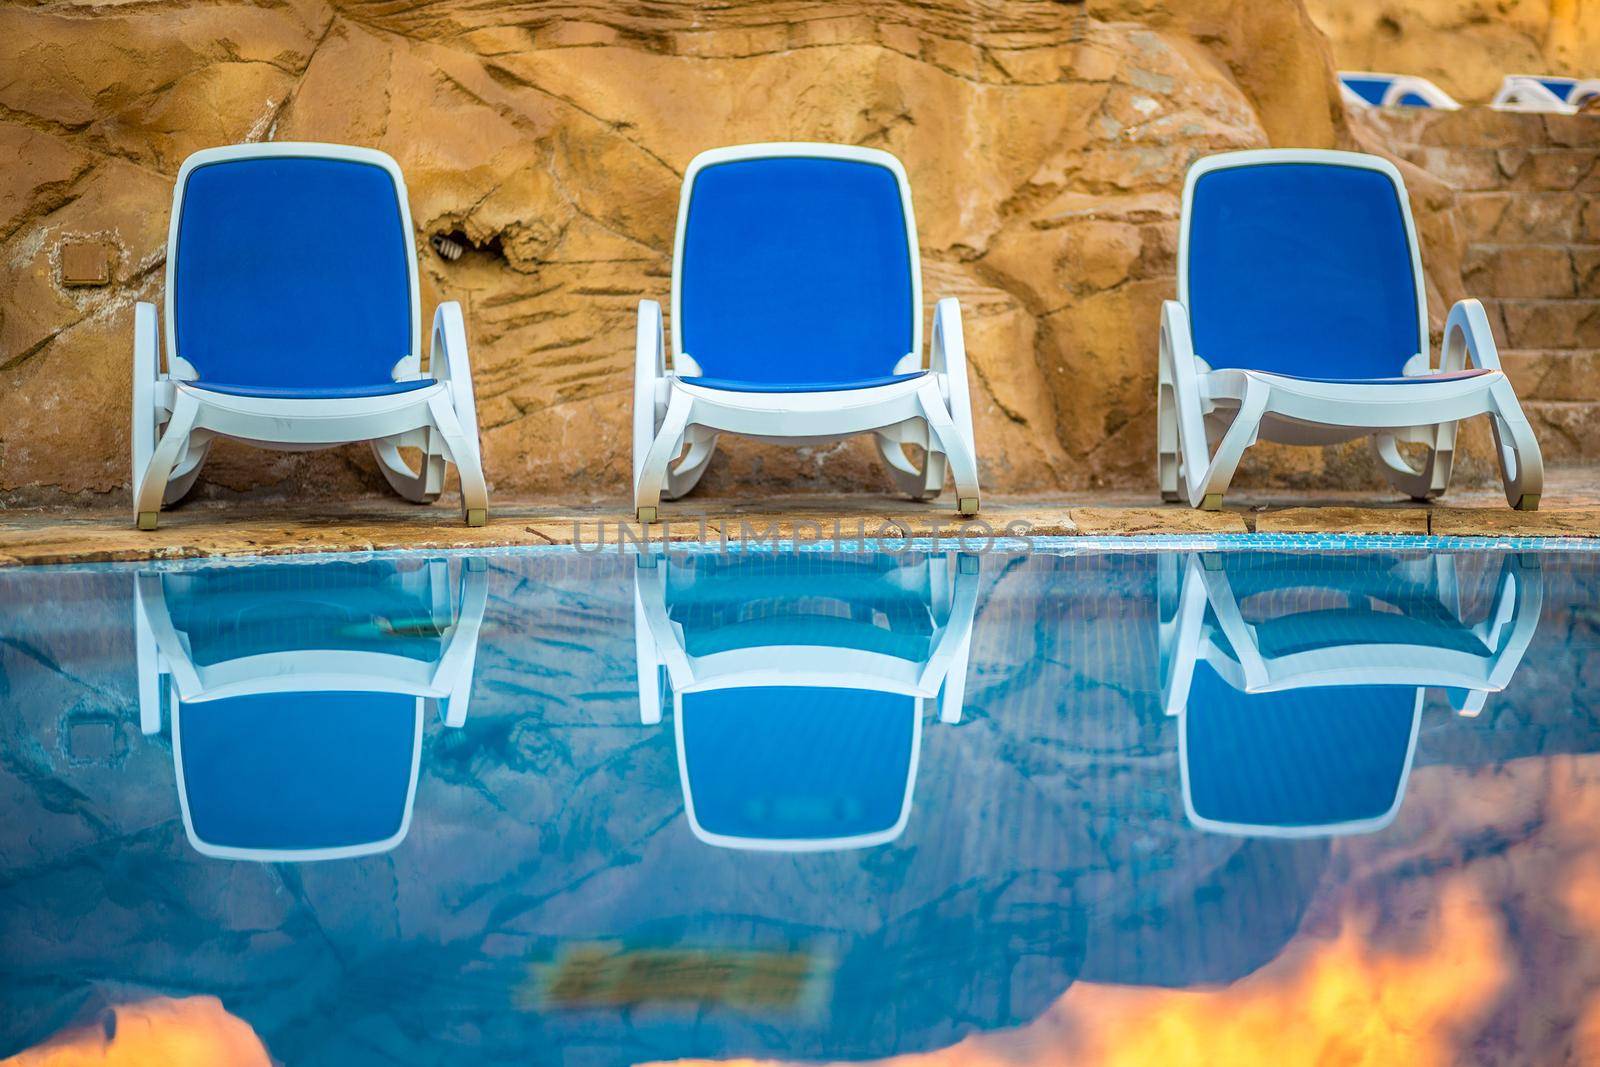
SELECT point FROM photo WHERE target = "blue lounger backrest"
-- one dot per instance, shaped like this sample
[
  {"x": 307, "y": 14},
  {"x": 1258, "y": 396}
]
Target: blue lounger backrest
[
  {"x": 796, "y": 270},
  {"x": 1297, "y": 759},
  {"x": 1370, "y": 89},
  {"x": 298, "y": 771},
  {"x": 1562, "y": 87},
  {"x": 292, "y": 272},
  {"x": 1303, "y": 269},
  {"x": 797, "y": 764}
]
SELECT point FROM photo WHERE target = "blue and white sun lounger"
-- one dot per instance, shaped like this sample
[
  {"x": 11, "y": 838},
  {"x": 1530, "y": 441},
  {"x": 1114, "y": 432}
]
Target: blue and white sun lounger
[
  {"x": 1361, "y": 88},
  {"x": 797, "y": 318},
  {"x": 292, "y": 323},
  {"x": 798, "y": 697},
  {"x": 297, "y": 695},
  {"x": 1302, "y": 318},
  {"x": 1299, "y": 718},
  {"x": 1536, "y": 92}
]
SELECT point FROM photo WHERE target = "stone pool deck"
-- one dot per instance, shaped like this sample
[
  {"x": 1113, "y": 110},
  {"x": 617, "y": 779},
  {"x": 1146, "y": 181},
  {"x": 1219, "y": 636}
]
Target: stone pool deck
[{"x": 230, "y": 528}]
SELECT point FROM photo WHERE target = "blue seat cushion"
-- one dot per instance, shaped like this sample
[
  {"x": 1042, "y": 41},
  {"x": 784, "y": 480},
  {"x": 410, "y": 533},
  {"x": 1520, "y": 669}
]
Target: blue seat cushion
[
  {"x": 324, "y": 392},
  {"x": 298, "y": 770},
  {"x": 292, "y": 273},
  {"x": 1410, "y": 99},
  {"x": 1302, "y": 269},
  {"x": 795, "y": 763},
  {"x": 796, "y": 274},
  {"x": 799, "y": 387},
  {"x": 1369, "y": 89},
  {"x": 1297, "y": 758}
]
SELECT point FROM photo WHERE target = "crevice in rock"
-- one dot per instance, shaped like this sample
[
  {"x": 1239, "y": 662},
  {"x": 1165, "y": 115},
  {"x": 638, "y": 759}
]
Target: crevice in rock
[{"x": 455, "y": 246}]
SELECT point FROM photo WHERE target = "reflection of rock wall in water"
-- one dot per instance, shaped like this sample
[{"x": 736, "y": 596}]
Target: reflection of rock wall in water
[
  {"x": 1045, "y": 142},
  {"x": 1047, "y": 843}
]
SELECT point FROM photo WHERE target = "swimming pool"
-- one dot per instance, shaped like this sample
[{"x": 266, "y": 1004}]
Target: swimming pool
[{"x": 1118, "y": 803}]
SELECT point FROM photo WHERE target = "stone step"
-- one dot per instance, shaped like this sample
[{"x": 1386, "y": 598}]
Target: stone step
[
  {"x": 1530, "y": 218},
  {"x": 1559, "y": 374},
  {"x": 1542, "y": 271},
  {"x": 1540, "y": 169},
  {"x": 1521, "y": 323},
  {"x": 1568, "y": 431},
  {"x": 1481, "y": 127}
]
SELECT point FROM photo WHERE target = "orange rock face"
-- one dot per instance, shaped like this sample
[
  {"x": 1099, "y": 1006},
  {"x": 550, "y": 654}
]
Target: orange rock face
[
  {"x": 1046, "y": 144},
  {"x": 1465, "y": 46}
]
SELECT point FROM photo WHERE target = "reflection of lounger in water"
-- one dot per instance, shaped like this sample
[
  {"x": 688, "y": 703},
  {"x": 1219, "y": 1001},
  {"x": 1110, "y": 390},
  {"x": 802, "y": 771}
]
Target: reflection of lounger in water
[
  {"x": 297, "y": 695},
  {"x": 1323, "y": 760},
  {"x": 798, "y": 697},
  {"x": 1302, "y": 720},
  {"x": 789, "y": 767}
]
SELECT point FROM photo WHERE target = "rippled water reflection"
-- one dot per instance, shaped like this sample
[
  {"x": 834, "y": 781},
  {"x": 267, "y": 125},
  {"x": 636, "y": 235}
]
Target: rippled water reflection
[{"x": 1101, "y": 806}]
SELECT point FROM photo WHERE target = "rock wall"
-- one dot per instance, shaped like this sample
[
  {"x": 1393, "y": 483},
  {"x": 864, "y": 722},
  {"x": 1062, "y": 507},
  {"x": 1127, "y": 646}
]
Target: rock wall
[
  {"x": 1046, "y": 143},
  {"x": 1465, "y": 46}
]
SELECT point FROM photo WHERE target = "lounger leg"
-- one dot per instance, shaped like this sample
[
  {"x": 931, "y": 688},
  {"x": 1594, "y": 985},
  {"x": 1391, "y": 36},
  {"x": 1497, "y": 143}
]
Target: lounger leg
[
  {"x": 474, "y": 490},
  {"x": 652, "y": 475},
  {"x": 1167, "y": 454},
  {"x": 418, "y": 486},
  {"x": 958, "y": 451},
  {"x": 1521, "y": 462},
  {"x": 152, "y": 484},
  {"x": 187, "y": 472},
  {"x": 924, "y": 484},
  {"x": 1225, "y": 461},
  {"x": 686, "y": 474},
  {"x": 950, "y": 420},
  {"x": 1469, "y": 340},
  {"x": 1177, "y": 364},
  {"x": 1421, "y": 485}
]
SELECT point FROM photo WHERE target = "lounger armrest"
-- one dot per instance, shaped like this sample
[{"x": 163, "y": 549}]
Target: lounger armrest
[
  {"x": 1175, "y": 327},
  {"x": 448, "y": 362},
  {"x": 948, "y": 346},
  {"x": 947, "y": 354},
  {"x": 1468, "y": 341},
  {"x": 649, "y": 341}
]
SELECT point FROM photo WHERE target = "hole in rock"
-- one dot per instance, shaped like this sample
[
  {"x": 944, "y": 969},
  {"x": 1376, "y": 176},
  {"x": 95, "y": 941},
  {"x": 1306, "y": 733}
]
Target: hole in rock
[{"x": 454, "y": 246}]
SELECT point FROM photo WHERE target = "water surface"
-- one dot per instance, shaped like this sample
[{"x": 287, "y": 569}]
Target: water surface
[{"x": 1105, "y": 806}]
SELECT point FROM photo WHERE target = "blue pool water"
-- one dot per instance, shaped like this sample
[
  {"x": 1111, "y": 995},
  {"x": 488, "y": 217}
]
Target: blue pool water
[{"x": 538, "y": 806}]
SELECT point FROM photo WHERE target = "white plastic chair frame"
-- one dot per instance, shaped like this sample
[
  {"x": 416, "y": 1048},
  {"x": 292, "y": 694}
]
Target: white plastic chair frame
[
  {"x": 939, "y": 683},
  {"x": 168, "y": 676},
  {"x": 675, "y": 425},
  {"x": 1399, "y": 86},
  {"x": 1527, "y": 92},
  {"x": 1206, "y": 419},
  {"x": 174, "y": 422}
]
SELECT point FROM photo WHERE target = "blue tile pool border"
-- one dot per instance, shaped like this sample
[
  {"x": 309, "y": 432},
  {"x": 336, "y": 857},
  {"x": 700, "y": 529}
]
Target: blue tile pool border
[{"x": 1060, "y": 545}]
